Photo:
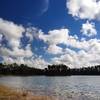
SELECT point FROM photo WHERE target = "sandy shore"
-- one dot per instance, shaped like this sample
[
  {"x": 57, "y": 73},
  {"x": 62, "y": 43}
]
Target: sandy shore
[{"x": 7, "y": 93}]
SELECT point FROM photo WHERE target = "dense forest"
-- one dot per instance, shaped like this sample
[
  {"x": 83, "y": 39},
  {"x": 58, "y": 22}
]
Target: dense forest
[
  {"x": 14, "y": 69},
  {"x": 51, "y": 70}
]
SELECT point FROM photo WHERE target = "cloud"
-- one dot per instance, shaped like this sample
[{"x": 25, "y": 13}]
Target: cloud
[
  {"x": 53, "y": 49},
  {"x": 84, "y": 9},
  {"x": 77, "y": 53},
  {"x": 32, "y": 32},
  {"x": 44, "y": 7},
  {"x": 78, "y": 59},
  {"x": 16, "y": 52},
  {"x": 36, "y": 62},
  {"x": 40, "y": 63},
  {"x": 1, "y": 37},
  {"x": 62, "y": 36},
  {"x": 12, "y": 52},
  {"x": 88, "y": 29},
  {"x": 55, "y": 36},
  {"x": 12, "y": 32}
]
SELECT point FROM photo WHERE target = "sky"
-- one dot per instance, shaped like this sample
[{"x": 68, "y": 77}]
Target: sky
[{"x": 43, "y": 32}]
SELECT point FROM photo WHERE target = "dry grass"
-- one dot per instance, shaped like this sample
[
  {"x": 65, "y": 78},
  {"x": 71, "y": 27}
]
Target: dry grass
[{"x": 7, "y": 93}]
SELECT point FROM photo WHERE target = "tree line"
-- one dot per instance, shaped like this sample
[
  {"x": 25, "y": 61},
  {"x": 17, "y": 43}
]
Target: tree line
[
  {"x": 15, "y": 69},
  {"x": 51, "y": 70}
]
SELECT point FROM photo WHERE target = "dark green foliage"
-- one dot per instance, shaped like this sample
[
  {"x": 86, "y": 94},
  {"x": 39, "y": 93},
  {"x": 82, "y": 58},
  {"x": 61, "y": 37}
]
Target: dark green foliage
[
  {"x": 14, "y": 69},
  {"x": 52, "y": 70},
  {"x": 93, "y": 70},
  {"x": 57, "y": 70}
]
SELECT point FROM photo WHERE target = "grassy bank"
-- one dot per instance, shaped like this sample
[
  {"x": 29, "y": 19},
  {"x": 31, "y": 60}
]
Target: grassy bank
[{"x": 7, "y": 93}]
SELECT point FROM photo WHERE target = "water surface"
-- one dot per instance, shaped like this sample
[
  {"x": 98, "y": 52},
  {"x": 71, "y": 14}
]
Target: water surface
[{"x": 79, "y": 87}]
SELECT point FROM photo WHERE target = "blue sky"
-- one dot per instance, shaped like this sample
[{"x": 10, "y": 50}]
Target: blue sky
[
  {"x": 31, "y": 11},
  {"x": 42, "y": 32}
]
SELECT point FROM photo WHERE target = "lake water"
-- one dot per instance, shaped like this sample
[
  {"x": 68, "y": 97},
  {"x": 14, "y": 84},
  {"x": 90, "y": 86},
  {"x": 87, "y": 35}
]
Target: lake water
[{"x": 76, "y": 87}]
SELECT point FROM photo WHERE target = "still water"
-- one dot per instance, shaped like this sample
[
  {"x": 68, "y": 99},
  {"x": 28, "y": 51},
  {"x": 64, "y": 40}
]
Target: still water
[{"x": 78, "y": 87}]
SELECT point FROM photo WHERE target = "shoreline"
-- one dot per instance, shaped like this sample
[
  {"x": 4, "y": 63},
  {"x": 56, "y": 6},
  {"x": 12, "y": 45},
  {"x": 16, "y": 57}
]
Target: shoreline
[{"x": 8, "y": 93}]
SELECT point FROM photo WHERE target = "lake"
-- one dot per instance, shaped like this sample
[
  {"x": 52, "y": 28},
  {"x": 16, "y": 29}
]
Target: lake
[{"x": 76, "y": 87}]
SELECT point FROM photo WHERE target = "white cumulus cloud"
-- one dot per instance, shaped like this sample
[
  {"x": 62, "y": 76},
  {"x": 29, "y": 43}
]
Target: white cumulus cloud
[
  {"x": 87, "y": 53},
  {"x": 55, "y": 36},
  {"x": 88, "y": 29},
  {"x": 15, "y": 53},
  {"x": 77, "y": 52},
  {"x": 84, "y": 9},
  {"x": 11, "y": 31},
  {"x": 54, "y": 49}
]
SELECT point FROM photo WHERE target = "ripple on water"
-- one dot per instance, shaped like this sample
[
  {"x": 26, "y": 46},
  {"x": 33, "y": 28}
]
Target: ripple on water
[{"x": 63, "y": 88}]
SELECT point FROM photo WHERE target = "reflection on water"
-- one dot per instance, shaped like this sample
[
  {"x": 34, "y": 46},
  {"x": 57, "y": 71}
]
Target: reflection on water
[{"x": 70, "y": 86}]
